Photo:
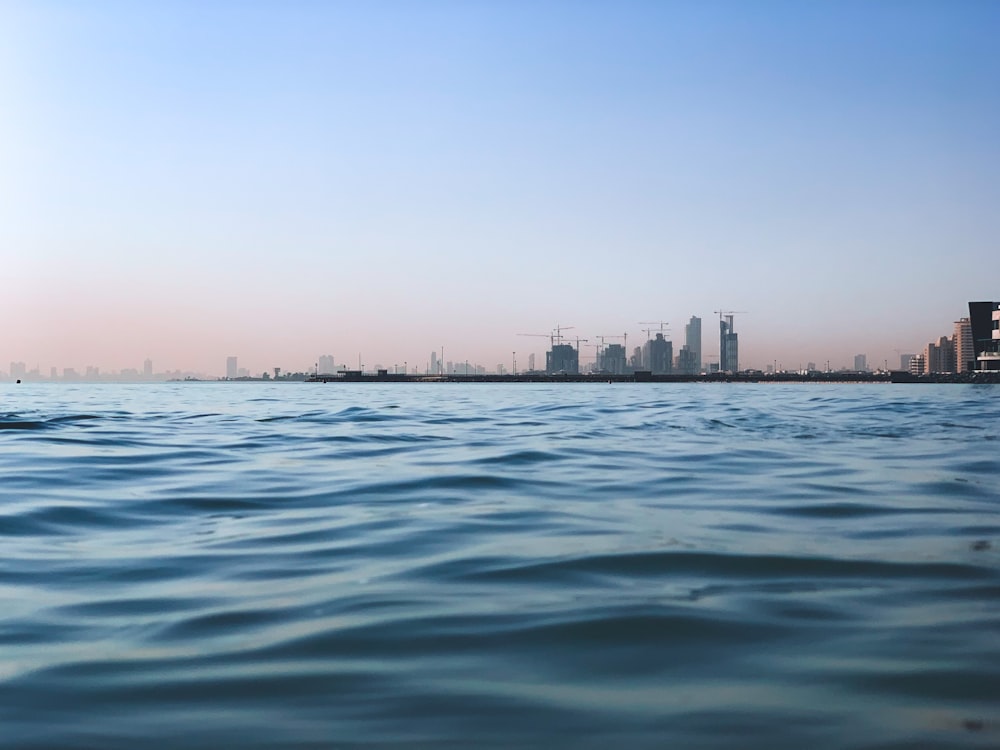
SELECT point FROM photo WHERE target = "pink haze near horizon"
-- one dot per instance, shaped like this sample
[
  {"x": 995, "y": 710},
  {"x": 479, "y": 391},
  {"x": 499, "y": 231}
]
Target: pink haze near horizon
[{"x": 188, "y": 182}]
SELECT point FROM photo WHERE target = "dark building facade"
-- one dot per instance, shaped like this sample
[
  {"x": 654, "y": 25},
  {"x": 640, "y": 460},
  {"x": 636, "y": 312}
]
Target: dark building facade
[
  {"x": 984, "y": 320},
  {"x": 659, "y": 355},
  {"x": 562, "y": 358},
  {"x": 729, "y": 352},
  {"x": 687, "y": 361},
  {"x": 612, "y": 359}
]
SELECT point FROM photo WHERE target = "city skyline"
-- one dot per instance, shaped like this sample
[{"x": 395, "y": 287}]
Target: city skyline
[
  {"x": 655, "y": 353},
  {"x": 193, "y": 181}
]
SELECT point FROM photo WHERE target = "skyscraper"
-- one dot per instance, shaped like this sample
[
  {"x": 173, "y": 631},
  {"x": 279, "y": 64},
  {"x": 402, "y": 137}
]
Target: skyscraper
[
  {"x": 325, "y": 364},
  {"x": 939, "y": 356},
  {"x": 965, "y": 352},
  {"x": 861, "y": 362},
  {"x": 692, "y": 339},
  {"x": 613, "y": 359},
  {"x": 562, "y": 358},
  {"x": 658, "y": 355},
  {"x": 729, "y": 352},
  {"x": 147, "y": 368},
  {"x": 686, "y": 363},
  {"x": 232, "y": 371}
]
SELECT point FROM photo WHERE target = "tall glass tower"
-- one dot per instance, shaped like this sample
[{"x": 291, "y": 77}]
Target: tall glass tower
[{"x": 729, "y": 356}]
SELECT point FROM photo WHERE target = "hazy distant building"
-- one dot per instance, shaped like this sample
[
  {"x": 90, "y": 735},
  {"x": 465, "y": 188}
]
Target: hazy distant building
[
  {"x": 965, "y": 352},
  {"x": 904, "y": 361},
  {"x": 232, "y": 371},
  {"x": 18, "y": 370},
  {"x": 692, "y": 340},
  {"x": 658, "y": 355},
  {"x": 612, "y": 359},
  {"x": 729, "y": 352},
  {"x": 687, "y": 362},
  {"x": 939, "y": 356},
  {"x": 434, "y": 368},
  {"x": 861, "y": 362},
  {"x": 531, "y": 362},
  {"x": 326, "y": 364},
  {"x": 562, "y": 358}
]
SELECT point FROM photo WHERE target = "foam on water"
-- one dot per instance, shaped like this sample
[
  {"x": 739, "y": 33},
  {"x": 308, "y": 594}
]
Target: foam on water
[{"x": 442, "y": 565}]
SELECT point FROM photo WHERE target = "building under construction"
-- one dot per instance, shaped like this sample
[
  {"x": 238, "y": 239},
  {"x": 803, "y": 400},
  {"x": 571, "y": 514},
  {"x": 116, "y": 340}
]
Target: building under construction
[{"x": 562, "y": 358}]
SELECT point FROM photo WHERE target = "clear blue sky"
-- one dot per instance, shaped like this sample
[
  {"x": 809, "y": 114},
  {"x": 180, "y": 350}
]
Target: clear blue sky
[{"x": 279, "y": 180}]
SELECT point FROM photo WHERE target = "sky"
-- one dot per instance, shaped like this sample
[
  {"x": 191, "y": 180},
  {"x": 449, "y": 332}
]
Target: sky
[{"x": 188, "y": 181}]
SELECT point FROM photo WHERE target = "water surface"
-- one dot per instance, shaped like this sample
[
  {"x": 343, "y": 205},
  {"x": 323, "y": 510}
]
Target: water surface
[{"x": 499, "y": 565}]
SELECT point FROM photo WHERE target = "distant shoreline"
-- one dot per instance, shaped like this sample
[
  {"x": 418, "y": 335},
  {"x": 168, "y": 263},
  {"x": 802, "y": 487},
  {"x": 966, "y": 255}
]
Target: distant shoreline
[
  {"x": 646, "y": 377},
  {"x": 641, "y": 377}
]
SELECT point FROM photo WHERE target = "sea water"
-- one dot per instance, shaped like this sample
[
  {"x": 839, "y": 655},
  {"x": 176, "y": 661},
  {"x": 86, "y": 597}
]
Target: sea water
[{"x": 296, "y": 565}]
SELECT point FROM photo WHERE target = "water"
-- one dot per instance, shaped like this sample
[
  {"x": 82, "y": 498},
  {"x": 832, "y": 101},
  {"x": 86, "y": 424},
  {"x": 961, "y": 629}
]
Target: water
[{"x": 445, "y": 565}]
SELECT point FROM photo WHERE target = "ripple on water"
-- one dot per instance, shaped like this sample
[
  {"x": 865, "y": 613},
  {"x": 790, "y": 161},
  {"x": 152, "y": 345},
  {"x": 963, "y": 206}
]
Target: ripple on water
[{"x": 286, "y": 565}]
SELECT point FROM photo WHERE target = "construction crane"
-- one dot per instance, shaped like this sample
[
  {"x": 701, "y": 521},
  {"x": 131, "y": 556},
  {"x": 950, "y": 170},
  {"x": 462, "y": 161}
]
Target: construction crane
[
  {"x": 729, "y": 314},
  {"x": 649, "y": 331},
  {"x": 601, "y": 338},
  {"x": 554, "y": 338},
  {"x": 597, "y": 355},
  {"x": 660, "y": 323},
  {"x": 558, "y": 334},
  {"x": 602, "y": 345},
  {"x": 539, "y": 335}
]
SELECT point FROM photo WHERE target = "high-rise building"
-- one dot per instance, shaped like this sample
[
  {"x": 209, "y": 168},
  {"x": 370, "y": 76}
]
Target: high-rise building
[
  {"x": 147, "y": 368},
  {"x": 917, "y": 364},
  {"x": 637, "y": 362},
  {"x": 687, "y": 363},
  {"x": 965, "y": 352},
  {"x": 658, "y": 355},
  {"x": 531, "y": 362},
  {"x": 984, "y": 320},
  {"x": 729, "y": 352},
  {"x": 435, "y": 367},
  {"x": 692, "y": 340},
  {"x": 562, "y": 358},
  {"x": 325, "y": 364},
  {"x": 939, "y": 356},
  {"x": 612, "y": 359},
  {"x": 904, "y": 361},
  {"x": 861, "y": 362},
  {"x": 232, "y": 371}
]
